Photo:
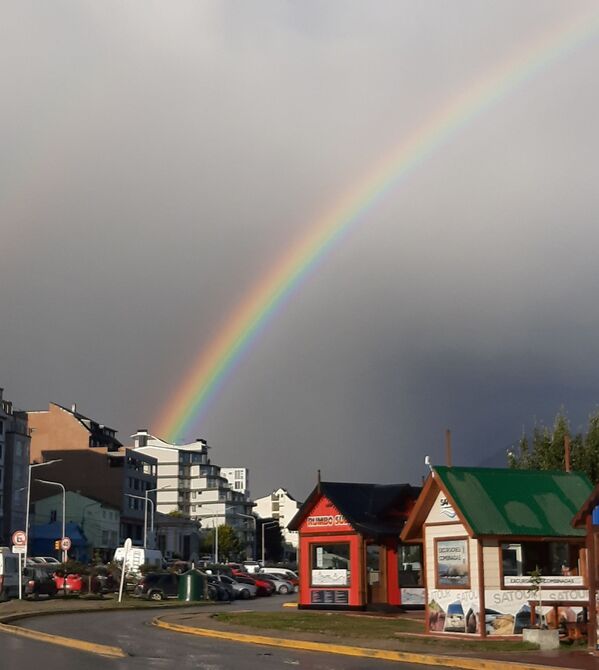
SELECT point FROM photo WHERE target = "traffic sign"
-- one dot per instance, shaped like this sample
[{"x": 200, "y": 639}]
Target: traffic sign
[
  {"x": 19, "y": 539},
  {"x": 18, "y": 549},
  {"x": 66, "y": 543}
]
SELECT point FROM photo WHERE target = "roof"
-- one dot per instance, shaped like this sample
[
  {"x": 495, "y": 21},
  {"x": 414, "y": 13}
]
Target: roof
[
  {"x": 586, "y": 509},
  {"x": 101, "y": 435},
  {"x": 371, "y": 509},
  {"x": 504, "y": 501}
]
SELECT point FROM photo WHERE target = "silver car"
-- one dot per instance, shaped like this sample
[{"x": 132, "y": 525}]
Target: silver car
[
  {"x": 282, "y": 586},
  {"x": 243, "y": 591}
]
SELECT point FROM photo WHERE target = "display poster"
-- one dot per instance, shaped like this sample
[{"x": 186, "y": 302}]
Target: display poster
[
  {"x": 506, "y": 612},
  {"x": 330, "y": 577},
  {"x": 412, "y": 596},
  {"x": 329, "y": 597},
  {"x": 452, "y": 563}
]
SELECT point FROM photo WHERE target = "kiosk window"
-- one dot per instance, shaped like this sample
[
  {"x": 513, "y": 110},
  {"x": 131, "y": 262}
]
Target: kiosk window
[
  {"x": 330, "y": 564},
  {"x": 410, "y": 565},
  {"x": 554, "y": 559}
]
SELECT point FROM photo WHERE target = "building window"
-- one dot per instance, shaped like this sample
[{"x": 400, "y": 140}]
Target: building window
[{"x": 330, "y": 564}]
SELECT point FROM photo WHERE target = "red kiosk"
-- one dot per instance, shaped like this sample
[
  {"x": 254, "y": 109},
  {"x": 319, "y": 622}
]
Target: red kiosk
[{"x": 350, "y": 556}]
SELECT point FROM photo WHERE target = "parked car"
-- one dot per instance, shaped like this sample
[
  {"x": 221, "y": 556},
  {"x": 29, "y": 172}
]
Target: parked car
[
  {"x": 265, "y": 587},
  {"x": 38, "y": 581},
  {"x": 70, "y": 583},
  {"x": 243, "y": 591},
  {"x": 157, "y": 586},
  {"x": 103, "y": 580},
  {"x": 217, "y": 590},
  {"x": 282, "y": 586},
  {"x": 288, "y": 574},
  {"x": 9, "y": 573}
]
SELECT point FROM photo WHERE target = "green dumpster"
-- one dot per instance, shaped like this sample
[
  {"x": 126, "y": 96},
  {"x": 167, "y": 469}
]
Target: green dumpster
[{"x": 192, "y": 586}]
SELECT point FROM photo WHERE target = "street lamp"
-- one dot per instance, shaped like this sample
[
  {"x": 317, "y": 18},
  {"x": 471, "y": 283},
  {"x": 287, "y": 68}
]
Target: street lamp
[
  {"x": 64, "y": 521},
  {"x": 31, "y": 466},
  {"x": 146, "y": 500},
  {"x": 159, "y": 488},
  {"x": 268, "y": 524}
]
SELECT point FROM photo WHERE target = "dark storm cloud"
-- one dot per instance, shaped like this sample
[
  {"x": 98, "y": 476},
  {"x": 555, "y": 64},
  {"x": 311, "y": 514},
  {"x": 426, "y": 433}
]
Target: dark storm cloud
[{"x": 158, "y": 157}]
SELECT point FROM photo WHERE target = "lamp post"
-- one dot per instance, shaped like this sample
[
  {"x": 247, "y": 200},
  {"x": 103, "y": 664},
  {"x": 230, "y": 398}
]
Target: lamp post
[
  {"x": 146, "y": 500},
  {"x": 268, "y": 524},
  {"x": 31, "y": 466},
  {"x": 64, "y": 507},
  {"x": 159, "y": 488}
]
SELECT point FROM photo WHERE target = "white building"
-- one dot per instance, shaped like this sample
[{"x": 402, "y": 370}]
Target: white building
[
  {"x": 282, "y": 506},
  {"x": 238, "y": 478},
  {"x": 190, "y": 484}
]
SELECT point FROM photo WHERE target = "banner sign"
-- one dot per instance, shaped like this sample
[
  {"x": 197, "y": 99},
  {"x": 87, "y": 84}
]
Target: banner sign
[{"x": 452, "y": 563}]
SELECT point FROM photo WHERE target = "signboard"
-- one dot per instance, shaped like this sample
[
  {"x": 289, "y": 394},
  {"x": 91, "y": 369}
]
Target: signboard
[
  {"x": 452, "y": 563},
  {"x": 446, "y": 508},
  {"x": 17, "y": 549},
  {"x": 65, "y": 543},
  {"x": 19, "y": 539},
  {"x": 412, "y": 596},
  {"x": 549, "y": 580},
  {"x": 326, "y": 521},
  {"x": 329, "y": 597}
]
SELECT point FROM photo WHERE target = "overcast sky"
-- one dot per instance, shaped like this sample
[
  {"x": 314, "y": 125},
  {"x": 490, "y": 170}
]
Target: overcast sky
[{"x": 158, "y": 157}]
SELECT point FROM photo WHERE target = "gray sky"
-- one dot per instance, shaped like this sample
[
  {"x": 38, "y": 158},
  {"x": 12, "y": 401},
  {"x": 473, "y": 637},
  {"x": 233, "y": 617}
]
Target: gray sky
[{"x": 158, "y": 157}]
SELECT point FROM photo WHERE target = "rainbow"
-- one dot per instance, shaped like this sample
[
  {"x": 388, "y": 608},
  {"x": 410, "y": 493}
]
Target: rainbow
[{"x": 216, "y": 362}]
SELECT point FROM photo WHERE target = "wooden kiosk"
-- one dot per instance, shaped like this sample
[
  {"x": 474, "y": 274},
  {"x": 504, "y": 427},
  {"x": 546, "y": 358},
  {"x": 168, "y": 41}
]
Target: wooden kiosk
[
  {"x": 484, "y": 530},
  {"x": 349, "y": 554}
]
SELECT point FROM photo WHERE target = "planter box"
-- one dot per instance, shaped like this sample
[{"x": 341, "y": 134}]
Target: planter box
[{"x": 545, "y": 638}]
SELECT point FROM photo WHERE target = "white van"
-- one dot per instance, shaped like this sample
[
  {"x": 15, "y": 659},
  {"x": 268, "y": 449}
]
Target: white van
[
  {"x": 9, "y": 574},
  {"x": 137, "y": 556}
]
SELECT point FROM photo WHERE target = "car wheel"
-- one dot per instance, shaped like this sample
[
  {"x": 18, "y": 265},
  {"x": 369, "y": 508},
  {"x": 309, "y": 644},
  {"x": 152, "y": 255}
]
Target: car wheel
[
  {"x": 245, "y": 594},
  {"x": 283, "y": 590},
  {"x": 156, "y": 595}
]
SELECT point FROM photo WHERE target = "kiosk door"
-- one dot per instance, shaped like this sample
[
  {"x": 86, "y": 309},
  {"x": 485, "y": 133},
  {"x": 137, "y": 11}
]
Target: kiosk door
[{"x": 376, "y": 573}]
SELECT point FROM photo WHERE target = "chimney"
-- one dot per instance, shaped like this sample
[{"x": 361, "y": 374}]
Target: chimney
[
  {"x": 74, "y": 408},
  {"x": 448, "y": 448}
]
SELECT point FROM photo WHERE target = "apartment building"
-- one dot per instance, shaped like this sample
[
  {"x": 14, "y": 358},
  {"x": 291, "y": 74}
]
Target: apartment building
[
  {"x": 14, "y": 462},
  {"x": 67, "y": 429},
  {"x": 238, "y": 478},
  {"x": 282, "y": 506},
  {"x": 190, "y": 484}
]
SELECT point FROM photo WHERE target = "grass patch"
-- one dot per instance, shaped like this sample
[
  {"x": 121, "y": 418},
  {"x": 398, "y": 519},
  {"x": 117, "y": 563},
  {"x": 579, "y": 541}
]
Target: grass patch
[{"x": 363, "y": 628}]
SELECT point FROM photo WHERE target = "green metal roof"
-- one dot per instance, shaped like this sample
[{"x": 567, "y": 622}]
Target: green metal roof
[{"x": 500, "y": 501}]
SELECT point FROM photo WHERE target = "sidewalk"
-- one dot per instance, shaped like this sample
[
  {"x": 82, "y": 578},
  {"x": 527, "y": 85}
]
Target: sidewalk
[{"x": 579, "y": 658}]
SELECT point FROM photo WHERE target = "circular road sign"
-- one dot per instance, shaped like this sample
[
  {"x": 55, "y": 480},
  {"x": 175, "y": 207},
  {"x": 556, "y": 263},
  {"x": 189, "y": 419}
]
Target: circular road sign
[
  {"x": 19, "y": 539},
  {"x": 65, "y": 543}
]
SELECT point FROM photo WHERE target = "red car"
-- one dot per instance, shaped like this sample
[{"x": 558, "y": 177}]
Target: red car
[
  {"x": 72, "y": 583},
  {"x": 265, "y": 586}
]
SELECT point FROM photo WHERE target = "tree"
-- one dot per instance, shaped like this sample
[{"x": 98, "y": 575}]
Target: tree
[
  {"x": 229, "y": 544},
  {"x": 545, "y": 450}
]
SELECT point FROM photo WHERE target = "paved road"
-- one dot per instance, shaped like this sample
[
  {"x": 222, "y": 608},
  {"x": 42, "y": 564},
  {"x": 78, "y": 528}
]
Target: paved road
[{"x": 154, "y": 649}]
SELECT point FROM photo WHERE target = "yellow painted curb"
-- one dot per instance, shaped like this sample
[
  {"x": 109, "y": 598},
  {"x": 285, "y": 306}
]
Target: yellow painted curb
[
  {"x": 81, "y": 645},
  {"x": 363, "y": 652},
  {"x": 290, "y": 605}
]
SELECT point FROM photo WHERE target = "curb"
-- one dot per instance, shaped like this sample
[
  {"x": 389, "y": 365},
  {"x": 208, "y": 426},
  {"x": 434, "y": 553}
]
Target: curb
[
  {"x": 72, "y": 643},
  {"x": 81, "y": 645},
  {"x": 362, "y": 652}
]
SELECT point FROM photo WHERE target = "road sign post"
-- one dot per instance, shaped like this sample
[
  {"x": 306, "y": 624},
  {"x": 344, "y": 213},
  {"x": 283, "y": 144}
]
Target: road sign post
[
  {"x": 127, "y": 548},
  {"x": 19, "y": 542}
]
